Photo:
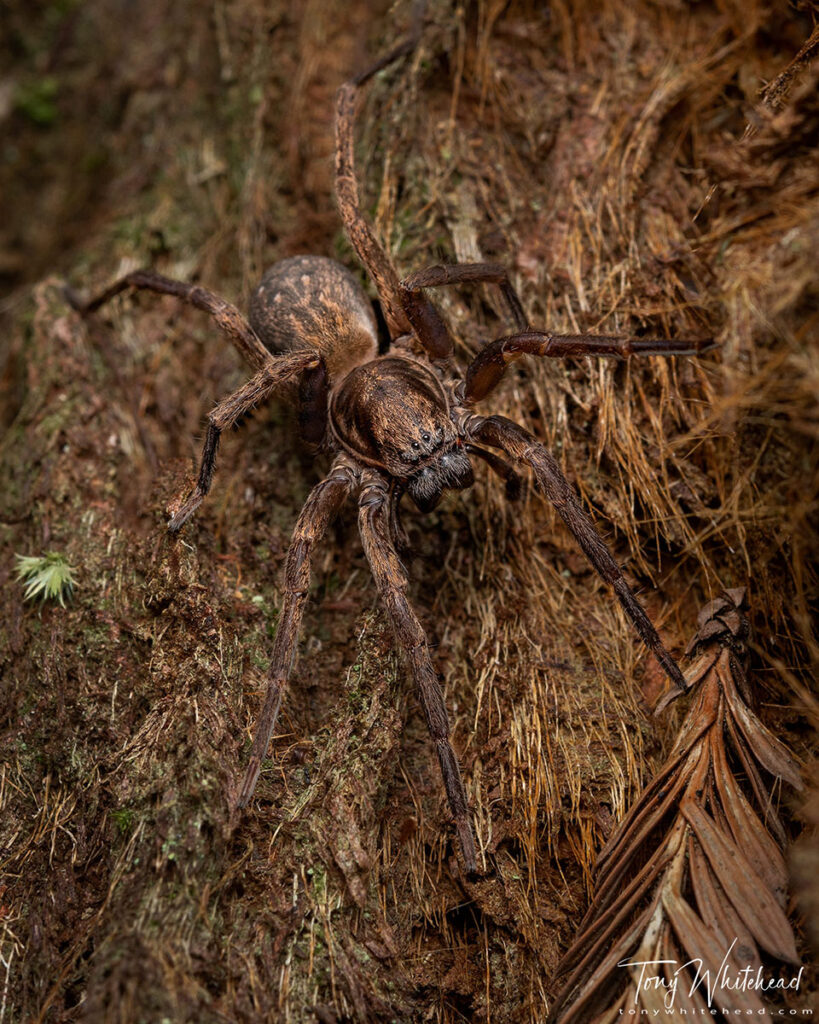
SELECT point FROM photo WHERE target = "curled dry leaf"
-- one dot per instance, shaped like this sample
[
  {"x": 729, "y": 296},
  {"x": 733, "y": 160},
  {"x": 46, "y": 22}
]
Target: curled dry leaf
[{"x": 694, "y": 875}]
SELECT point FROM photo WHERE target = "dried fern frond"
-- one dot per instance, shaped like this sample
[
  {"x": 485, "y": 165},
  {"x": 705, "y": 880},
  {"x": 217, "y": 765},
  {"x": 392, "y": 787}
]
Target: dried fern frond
[
  {"x": 47, "y": 576},
  {"x": 695, "y": 871}
]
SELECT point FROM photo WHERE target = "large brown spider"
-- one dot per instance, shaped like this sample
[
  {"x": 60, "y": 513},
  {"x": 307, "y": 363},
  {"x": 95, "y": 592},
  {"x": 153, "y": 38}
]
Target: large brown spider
[{"x": 399, "y": 422}]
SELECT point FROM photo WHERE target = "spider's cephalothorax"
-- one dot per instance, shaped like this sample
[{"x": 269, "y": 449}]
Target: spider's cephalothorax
[
  {"x": 393, "y": 414},
  {"x": 397, "y": 423}
]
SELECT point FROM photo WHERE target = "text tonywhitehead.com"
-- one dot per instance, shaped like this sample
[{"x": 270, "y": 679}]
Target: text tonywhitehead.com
[{"x": 665, "y": 976}]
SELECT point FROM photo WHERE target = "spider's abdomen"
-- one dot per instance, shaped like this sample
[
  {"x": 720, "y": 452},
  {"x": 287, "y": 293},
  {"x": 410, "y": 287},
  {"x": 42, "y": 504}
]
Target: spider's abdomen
[{"x": 315, "y": 302}]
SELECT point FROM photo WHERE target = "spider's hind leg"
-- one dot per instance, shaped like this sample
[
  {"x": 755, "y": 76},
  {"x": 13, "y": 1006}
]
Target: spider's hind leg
[
  {"x": 486, "y": 370},
  {"x": 368, "y": 248},
  {"x": 308, "y": 366},
  {"x": 404, "y": 311},
  {"x": 321, "y": 507},
  {"x": 227, "y": 316},
  {"x": 465, "y": 273}
]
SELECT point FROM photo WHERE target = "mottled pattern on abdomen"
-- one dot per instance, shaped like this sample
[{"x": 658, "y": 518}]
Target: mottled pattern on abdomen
[{"x": 315, "y": 302}]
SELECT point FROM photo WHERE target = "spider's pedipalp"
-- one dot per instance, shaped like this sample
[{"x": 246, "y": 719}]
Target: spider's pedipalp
[
  {"x": 391, "y": 581},
  {"x": 507, "y": 435},
  {"x": 322, "y": 505}
]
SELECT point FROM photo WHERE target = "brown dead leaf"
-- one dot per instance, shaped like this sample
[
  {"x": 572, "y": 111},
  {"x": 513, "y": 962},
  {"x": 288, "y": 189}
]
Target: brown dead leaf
[{"x": 743, "y": 886}]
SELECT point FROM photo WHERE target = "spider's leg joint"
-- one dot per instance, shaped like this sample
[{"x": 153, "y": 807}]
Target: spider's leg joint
[
  {"x": 374, "y": 492},
  {"x": 466, "y": 423}
]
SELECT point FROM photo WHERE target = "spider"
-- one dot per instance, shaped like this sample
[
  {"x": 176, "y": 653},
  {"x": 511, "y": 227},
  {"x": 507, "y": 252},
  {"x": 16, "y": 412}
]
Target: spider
[{"x": 396, "y": 423}]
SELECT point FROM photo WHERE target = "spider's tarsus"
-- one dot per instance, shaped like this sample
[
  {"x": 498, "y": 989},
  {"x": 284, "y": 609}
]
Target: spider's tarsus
[
  {"x": 178, "y": 519},
  {"x": 467, "y": 841},
  {"x": 176, "y": 522},
  {"x": 403, "y": 48},
  {"x": 249, "y": 782},
  {"x": 649, "y": 635},
  {"x": 668, "y": 698}
]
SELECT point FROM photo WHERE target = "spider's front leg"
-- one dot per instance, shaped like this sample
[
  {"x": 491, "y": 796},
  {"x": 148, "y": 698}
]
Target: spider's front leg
[
  {"x": 322, "y": 506},
  {"x": 499, "y": 432},
  {"x": 487, "y": 368},
  {"x": 419, "y": 309},
  {"x": 391, "y": 580}
]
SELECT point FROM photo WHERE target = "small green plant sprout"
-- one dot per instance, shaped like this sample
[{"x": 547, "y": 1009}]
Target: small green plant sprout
[{"x": 47, "y": 576}]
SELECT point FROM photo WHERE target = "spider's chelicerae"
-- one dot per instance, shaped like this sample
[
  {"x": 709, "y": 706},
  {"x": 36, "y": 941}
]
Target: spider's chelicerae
[{"x": 397, "y": 423}]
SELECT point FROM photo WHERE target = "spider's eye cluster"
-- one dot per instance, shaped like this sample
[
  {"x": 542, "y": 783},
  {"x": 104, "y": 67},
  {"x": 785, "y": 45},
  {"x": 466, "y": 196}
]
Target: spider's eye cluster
[{"x": 424, "y": 445}]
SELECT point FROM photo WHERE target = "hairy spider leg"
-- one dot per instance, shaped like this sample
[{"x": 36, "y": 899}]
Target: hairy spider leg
[
  {"x": 405, "y": 311},
  {"x": 273, "y": 373},
  {"x": 404, "y": 304},
  {"x": 467, "y": 273},
  {"x": 499, "y": 432},
  {"x": 227, "y": 316},
  {"x": 401, "y": 50},
  {"x": 487, "y": 368},
  {"x": 322, "y": 506},
  {"x": 514, "y": 484},
  {"x": 362, "y": 237},
  {"x": 391, "y": 581},
  {"x": 278, "y": 371}
]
